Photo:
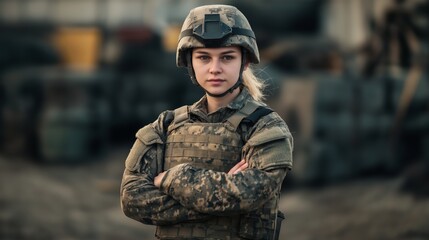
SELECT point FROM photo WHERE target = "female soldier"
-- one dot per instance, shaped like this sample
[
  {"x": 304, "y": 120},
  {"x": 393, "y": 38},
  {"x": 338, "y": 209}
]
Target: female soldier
[{"x": 212, "y": 170}]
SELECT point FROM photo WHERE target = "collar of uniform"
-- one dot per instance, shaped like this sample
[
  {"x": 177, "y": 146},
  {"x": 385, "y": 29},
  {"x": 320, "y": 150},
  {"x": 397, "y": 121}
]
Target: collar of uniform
[
  {"x": 237, "y": 103},
  {"x": 240, "y": 100}
]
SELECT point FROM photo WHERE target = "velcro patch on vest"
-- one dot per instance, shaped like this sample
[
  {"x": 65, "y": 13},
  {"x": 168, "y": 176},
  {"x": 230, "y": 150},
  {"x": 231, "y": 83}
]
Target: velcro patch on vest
[{"x": 212, "y": 139}]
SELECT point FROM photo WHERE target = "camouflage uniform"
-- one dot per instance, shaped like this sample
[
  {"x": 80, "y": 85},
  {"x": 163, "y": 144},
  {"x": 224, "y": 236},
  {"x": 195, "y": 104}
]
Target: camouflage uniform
[
  {"x": 200, "y": 202},
  {"x": 197, "y": 198}
]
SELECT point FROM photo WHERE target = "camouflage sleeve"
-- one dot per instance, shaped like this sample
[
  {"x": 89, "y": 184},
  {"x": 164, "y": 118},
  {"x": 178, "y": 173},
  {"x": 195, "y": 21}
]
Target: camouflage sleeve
[
  {"x": 269, "y": 154},
  {"x": 140, "y": 199}
]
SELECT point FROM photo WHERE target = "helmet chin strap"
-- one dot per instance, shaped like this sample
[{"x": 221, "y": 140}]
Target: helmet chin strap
[
  {"x": 231, "y": 89},
  {"x": 236, "y": 85}
]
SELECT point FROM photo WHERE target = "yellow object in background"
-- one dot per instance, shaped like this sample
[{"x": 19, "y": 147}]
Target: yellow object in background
[
  {"x": 170, "y": 38},
  {"x": 78, "y": 46}
]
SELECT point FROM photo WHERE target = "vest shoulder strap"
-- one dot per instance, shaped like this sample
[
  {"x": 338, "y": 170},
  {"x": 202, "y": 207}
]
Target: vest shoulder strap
[
  {"x": 250, "y": 113},
  {"x": 181, "y": 116},
  {"x": 245, "y": 111},
  {"x": 248, "y": 122},
  {"x": 248, "y": 110},
  {"x": 260, "y": 112}
]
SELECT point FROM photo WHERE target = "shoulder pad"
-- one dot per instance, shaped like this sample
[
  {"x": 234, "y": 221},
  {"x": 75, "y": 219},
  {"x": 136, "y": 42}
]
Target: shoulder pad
[
  {"x": 148, "y": 135},
  {"x": 268, "y": 135},
  {"x": 278, "y": 153}
]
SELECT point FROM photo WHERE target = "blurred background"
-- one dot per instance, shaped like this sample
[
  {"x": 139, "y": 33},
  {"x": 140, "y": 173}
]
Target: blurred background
[{"x": 78, "y": 78}]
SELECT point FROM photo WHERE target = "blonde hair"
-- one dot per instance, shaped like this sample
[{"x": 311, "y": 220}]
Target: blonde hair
[{"x": 254, "y": 85}]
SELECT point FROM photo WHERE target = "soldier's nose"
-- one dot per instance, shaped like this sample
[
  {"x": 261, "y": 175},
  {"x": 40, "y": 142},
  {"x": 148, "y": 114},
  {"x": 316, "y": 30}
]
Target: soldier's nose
[{"x": 215, "y": 67}]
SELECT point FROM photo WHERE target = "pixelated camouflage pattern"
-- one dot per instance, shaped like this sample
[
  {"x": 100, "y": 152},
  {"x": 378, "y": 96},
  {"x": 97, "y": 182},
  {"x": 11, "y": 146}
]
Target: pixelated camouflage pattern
[
  {"x": 202, "y": 145},
  {"x": 229, "y": 15},
  {"x": 195, "y": 202},
  {"x": 140, "y": 199}
]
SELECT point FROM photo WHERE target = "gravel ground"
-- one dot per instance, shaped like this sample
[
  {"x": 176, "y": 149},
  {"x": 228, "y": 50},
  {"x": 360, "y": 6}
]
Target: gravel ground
[{"x": 82, "y": 202}]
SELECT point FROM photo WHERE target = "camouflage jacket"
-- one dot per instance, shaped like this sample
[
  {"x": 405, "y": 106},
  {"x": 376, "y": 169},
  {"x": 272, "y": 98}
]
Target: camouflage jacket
[{"x": 224, "y": 194}]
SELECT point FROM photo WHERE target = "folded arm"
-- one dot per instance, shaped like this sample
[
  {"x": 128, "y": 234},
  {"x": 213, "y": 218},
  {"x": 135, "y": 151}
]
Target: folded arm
[
  {"x": 140, "y": 199},
  {"x": 219, "y": 193},
  {"x": 269, "y": 155}
]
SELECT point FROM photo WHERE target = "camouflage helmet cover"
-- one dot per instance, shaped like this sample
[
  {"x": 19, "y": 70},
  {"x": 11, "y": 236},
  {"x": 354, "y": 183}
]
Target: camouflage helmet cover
[{"x": 230, "y": 17}]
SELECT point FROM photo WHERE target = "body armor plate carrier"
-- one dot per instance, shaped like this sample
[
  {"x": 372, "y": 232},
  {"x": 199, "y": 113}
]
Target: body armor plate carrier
[{"x": 216, "y": 146}]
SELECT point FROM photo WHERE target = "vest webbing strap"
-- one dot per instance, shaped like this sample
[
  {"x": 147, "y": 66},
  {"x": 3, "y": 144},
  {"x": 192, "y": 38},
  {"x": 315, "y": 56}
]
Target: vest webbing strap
[
  {"x": 236, "y": 118},
  {"x": 216, "y": 228},
  {"x": 203, "y": 154},
  {"x": 213, "y": 139}
]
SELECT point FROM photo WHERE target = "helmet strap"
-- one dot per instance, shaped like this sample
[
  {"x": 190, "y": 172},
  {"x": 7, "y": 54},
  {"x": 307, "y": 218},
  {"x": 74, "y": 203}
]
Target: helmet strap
[{"x": 190, "y": 68}]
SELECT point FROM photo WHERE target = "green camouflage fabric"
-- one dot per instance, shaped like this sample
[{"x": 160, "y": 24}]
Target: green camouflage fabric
[
  {"x": 229, "y": 15},
  {"x": 216, "y": 146},
  {"x": 140, "y": 199},
  {"x": 192, "y": 195},
  {"x": 203, "y": 145}
]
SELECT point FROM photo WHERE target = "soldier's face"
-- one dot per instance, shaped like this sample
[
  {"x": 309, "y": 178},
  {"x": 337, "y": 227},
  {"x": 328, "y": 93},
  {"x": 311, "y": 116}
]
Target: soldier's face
[{"x": 216, "y": 69}]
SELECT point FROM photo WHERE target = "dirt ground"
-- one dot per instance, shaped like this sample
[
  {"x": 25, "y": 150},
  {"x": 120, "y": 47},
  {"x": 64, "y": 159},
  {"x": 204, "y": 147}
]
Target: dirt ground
[{"x": 81, "y": 201}]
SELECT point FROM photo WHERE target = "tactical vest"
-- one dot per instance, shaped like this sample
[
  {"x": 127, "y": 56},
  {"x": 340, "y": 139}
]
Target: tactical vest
[{"x": 215, "y": 146}]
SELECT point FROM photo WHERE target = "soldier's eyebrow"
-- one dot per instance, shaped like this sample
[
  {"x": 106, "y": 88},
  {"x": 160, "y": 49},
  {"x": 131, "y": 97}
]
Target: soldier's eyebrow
[
  {"x": 201, "y": 52},
  {"x": 228, "y": 52},
  {"x": 221, "y": 53}
]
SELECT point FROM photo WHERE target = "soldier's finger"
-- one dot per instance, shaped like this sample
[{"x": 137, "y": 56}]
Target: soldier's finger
[
  {"x": 237, "y": 166},
  {"x": 241, "y": 168}
]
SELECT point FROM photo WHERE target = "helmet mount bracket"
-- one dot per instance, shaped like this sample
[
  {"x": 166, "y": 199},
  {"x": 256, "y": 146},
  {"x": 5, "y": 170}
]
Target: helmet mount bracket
[{"x": 213, "y": 31}]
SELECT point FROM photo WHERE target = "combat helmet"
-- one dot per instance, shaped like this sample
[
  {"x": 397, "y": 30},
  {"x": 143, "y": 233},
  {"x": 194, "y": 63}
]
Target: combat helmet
[{"x": 216, "y": 26}]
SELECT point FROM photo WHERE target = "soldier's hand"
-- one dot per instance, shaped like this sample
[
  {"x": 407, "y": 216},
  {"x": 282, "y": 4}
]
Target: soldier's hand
[
  {"x": 158, "y": 179},
  {"x": 240, "y": 166}
]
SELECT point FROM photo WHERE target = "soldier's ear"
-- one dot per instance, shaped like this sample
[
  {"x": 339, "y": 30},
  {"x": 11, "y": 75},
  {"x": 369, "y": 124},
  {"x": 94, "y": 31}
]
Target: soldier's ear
[{"x": 246, "y": 65}]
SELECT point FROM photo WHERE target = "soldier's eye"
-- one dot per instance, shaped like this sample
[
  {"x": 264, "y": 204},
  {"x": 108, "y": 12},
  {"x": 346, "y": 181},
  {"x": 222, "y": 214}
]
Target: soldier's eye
[
  {"x": 203, "y": 58},
  {"x": 228, "y": 57}
]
